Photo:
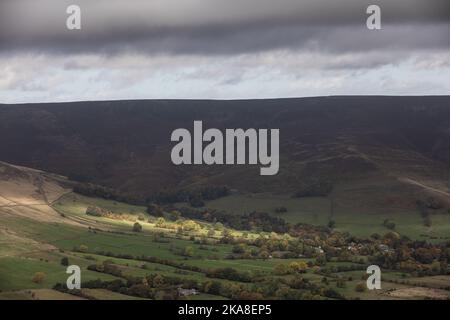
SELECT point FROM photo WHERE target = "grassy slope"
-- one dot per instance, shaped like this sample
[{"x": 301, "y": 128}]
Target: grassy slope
[
  {"x": 17, "y": 270},
  {"x": 361, "y": 222}
]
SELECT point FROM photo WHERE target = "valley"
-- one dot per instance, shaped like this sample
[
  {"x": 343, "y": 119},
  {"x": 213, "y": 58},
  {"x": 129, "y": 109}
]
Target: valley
[
  {"x": 362, "y": 180},
  {"x": 172, "y": 255}
]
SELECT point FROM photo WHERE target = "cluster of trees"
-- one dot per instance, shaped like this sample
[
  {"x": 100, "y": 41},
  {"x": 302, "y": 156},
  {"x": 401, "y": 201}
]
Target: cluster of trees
[
  {"x": 299, "y": 288},
  {"x": 219, "y": 273},
  {"x": 417, "y": 257},
  {"x": 98, "y": 212},
  {"x": 105, "y": 213},
  {"x": 195, "y": 197},
  {"x": 106, "y": 267},
  {"x": 96, "y": 191},
  {"x": 229, "y": 274},
  {"x": 291, "y": 268},
  {"x": 427, "y": 207},
  {"x": 327, "y": 271},
  {"x": 253, "y": 221},
  {"x": 156, "y": 286},
  {"x": 152, "y": 287},
  {"x": 151, "y": 259}
]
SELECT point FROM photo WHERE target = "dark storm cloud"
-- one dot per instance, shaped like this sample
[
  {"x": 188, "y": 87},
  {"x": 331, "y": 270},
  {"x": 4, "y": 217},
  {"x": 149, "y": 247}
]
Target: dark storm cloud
[{"x": 222, "y": 26}]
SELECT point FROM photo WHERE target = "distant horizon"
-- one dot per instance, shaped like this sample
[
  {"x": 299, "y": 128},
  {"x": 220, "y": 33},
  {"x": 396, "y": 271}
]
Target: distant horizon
[{"x": 231, "y": 100}]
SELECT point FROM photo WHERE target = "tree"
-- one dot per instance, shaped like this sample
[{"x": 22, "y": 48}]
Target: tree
[
  {"x": 65, "y": 261},
  {"x": 321, "y": 260},
  {"x": 83, "y": 248},
  {"x": 94, "y": 211},
  {"x": 391, "y": 237},
  {"x": 389, "y": 224},
  {"x": 158, "y": 281},
  {"x": 160, "y": 222},
  {"x": 281, "y": 269},
  {"x": 226, "y": 233},
  {"x": 424, "y": 255},
  {"x": 360, "y": 287},
  {"x": 174, "y": 215},
  {"x": 137, "y": 227},
  {"x": 188, "y": 251},
  {"x": 299, "y": 266},
  {"x": 38, "y": 277},
  {"x": 281, "y": 209},
  {"x": 212, "y": 287},
  {"x": 239, "y": 249},
  {"x": 264, "y": 254},
  {"x": 191, "y": 225},
  {"x": 218, "y": 226}
]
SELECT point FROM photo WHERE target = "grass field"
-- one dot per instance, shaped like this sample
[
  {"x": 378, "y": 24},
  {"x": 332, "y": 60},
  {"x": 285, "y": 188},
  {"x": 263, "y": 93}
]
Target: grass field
[
  {"x": 17, "y": 273},
  {"x": 20, "y": 259},
  {"x": 362, "y": 221},
  {"x": 102, "y": 294}
]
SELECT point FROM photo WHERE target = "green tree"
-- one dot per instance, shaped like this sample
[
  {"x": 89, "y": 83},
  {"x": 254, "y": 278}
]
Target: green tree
[
  {"x": 65, "y": 261},
  {"x": 158, "y": 281},
  {"x": 39, "y": 277},
  {"x": 160, "y": 222},
  {"x": 137, "y": 227},
  {"x": 174, "y": 215},
  {"x": 82, "y": 248},
  {"x": 188, "y": 251},
  {"x": 360, "y": 287}
]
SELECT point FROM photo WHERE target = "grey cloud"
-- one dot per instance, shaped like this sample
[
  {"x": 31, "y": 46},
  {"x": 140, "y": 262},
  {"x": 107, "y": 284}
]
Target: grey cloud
[{"x": 221, "y": 26}]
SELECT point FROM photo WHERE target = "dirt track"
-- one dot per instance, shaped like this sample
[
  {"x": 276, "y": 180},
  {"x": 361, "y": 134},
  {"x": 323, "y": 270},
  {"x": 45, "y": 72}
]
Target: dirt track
[{"x": 416, "y": 183}]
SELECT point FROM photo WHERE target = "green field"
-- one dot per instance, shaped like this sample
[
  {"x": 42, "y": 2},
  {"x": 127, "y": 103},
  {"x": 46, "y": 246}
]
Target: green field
[
  {"x": 17, "y": 273},
  {"x": 361, "y": 222},
  {"x": 104, "y": 241}
]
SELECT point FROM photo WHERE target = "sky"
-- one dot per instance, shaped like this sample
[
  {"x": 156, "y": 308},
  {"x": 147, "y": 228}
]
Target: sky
[{"x": 221, "y": 49}]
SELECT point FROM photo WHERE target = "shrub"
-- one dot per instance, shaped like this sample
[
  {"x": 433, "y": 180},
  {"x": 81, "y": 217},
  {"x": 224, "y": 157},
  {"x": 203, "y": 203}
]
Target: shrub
[
  {"x": 360, "y": 287},
  {"x": 82, "y": 248},
  {"x": 188, "y": 252},
  {"x": 281, "y": 210},
  {"x": 97, "y": 211},
  {"x": 65, "y": 261},
  {"x": 38, "y": 277},
  {"x": 389, "y": 224},
  {"x": 137, "y": 227}
]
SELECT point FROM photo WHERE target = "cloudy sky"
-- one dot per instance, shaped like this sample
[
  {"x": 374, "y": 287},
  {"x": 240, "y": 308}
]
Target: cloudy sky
[{"x": 221, "y": 49}]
